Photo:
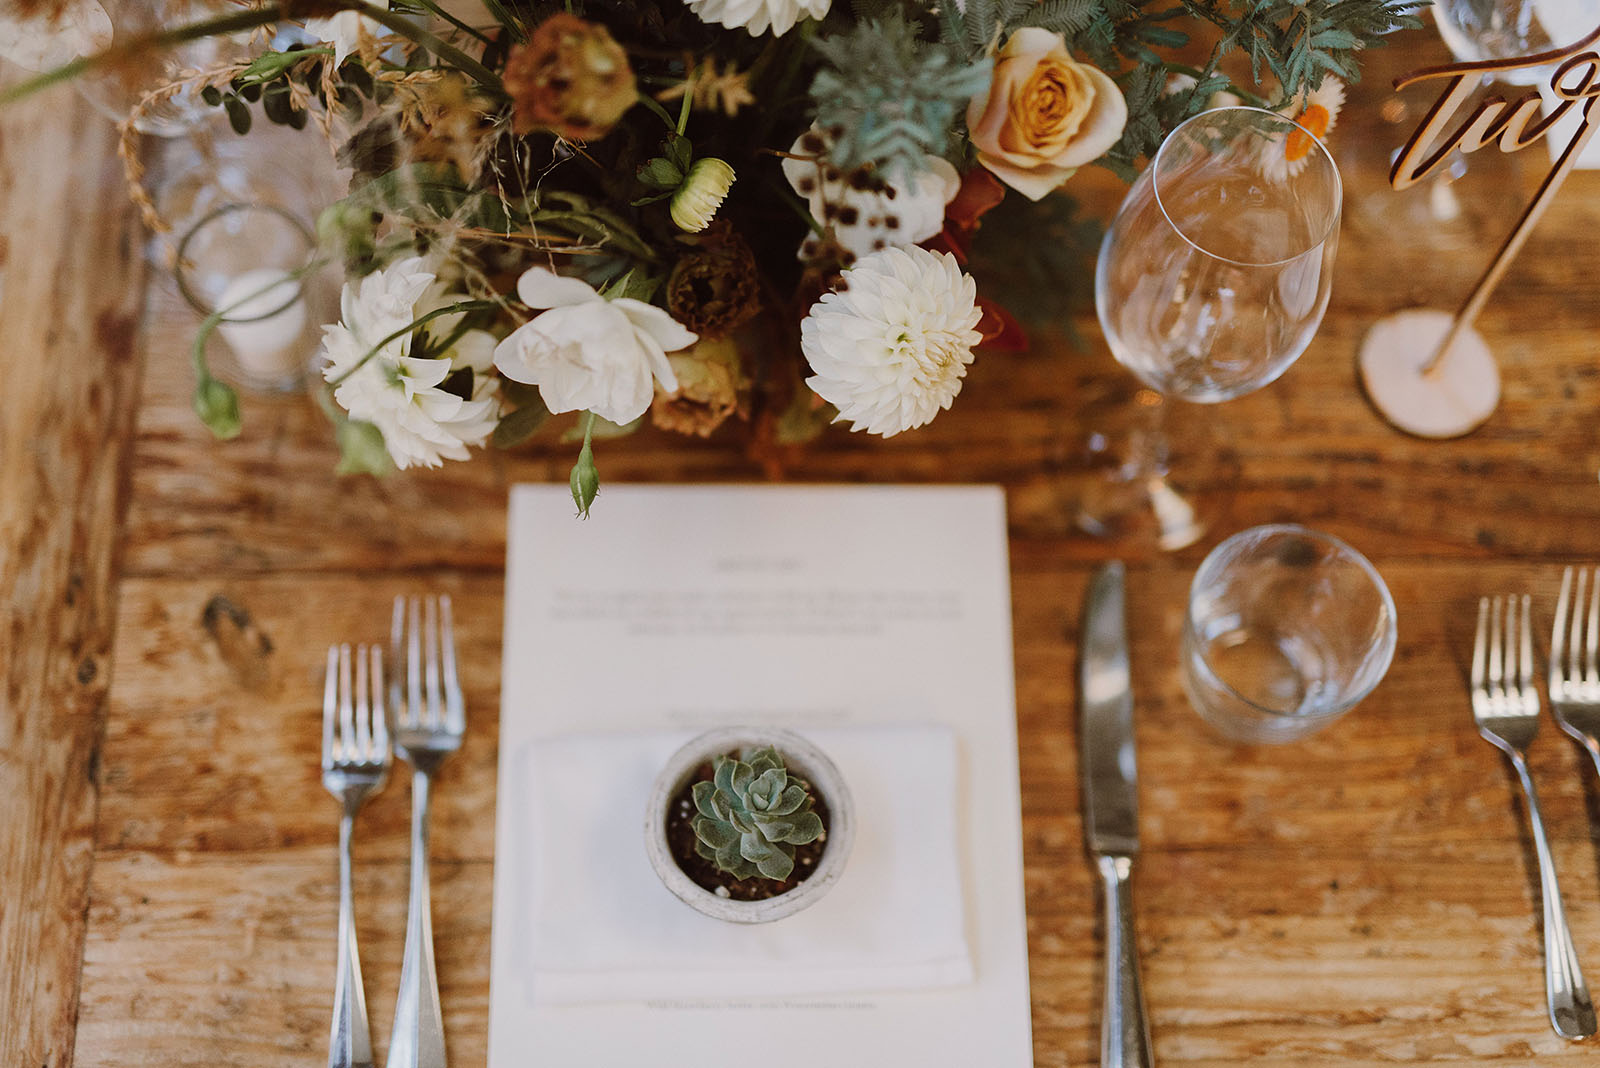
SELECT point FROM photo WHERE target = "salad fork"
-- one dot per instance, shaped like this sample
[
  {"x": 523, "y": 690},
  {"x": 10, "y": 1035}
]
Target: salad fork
[
  {"x": 1505, "y": 704},
  {"x": 1575, "y": 689},
  {"x": 355, "y": 765},
  {"x": 429, "y": 720}
]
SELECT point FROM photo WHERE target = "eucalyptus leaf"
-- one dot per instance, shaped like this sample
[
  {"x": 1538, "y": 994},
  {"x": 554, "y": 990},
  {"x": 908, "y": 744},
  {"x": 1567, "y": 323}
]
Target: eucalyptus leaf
[{"x": 520, "y": 425}]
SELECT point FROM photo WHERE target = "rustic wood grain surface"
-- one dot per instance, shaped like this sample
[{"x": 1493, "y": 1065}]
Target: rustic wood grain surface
[
  {"x": 70, "y": 275},
  {"x": 1363, "y": 898}
]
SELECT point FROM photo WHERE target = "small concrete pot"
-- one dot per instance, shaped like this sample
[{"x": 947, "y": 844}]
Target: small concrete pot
[{"x": 801, "y": 757}]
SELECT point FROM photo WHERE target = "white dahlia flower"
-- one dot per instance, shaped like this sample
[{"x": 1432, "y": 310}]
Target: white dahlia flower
[
  {"x": 56, "y": 33},
  {"x": 889, "y": 350},
  {"x": 587, "y": 353},
  {"x": 756, "y": 15},
  {"x": 907, "y": 210},
  {"x": 423, "y": 418}
]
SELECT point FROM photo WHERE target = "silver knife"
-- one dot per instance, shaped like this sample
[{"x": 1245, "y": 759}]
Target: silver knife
[{"x": 1111, "y": 809}]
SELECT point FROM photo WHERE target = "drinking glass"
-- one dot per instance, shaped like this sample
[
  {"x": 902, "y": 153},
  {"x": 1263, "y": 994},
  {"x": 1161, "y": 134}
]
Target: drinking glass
[
  {"x": 1211, "y": 281},
  {"x": 1287, "y": 629},
  {"x": 1479, "y": 30},
  {"x": 248, "y": 263}
]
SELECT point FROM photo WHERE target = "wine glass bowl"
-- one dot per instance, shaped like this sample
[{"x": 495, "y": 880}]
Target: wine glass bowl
[
  {"x": 1216, "y": 271},
  {"x": 1212, "y": 280}
]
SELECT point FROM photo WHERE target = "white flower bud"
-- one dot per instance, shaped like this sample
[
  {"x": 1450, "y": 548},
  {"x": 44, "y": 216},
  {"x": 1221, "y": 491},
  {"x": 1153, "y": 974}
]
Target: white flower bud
[{"x": 705, "y": 187}]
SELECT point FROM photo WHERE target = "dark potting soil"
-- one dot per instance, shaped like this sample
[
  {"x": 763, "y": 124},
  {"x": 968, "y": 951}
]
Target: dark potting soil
[{"x": 681, "y": 843}]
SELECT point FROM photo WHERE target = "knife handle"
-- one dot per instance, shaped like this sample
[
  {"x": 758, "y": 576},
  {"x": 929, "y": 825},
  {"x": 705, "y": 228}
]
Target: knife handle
[{"x": 1124, "y": 1030}]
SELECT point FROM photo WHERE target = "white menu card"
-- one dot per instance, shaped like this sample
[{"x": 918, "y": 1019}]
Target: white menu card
[{"x": 811, "y": 608}]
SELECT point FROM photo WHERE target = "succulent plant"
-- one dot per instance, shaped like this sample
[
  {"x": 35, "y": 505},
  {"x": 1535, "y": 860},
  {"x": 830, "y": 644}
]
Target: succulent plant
[{"x": 751, "y": 815}]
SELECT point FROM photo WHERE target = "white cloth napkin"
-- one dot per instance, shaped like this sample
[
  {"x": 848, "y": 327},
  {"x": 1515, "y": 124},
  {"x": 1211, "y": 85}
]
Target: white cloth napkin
[{"x": 600, "y": 926}]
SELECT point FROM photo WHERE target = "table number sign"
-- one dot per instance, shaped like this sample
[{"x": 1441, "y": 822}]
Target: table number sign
[{"x": 1428, "y": 372}]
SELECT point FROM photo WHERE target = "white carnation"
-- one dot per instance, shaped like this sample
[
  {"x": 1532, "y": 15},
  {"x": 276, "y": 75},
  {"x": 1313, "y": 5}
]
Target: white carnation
[
  {"x": 56, "y": 34},
  {"x": 890, "y": 349},
  {"x": 756, "y": 15},
  {"x": 587, "y": 353},
  {"x": 907, "y": 210},
  {"x": 421, "y": 423}
]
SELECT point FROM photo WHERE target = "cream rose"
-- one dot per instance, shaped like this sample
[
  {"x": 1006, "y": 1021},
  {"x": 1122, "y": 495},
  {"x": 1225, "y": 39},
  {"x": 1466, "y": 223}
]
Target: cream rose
[{"x": 1044, "y": 115}]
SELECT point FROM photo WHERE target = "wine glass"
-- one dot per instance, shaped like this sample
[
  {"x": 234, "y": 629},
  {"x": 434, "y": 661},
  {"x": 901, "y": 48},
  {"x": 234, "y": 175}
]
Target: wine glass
[
  {"x": 1479, "y": 30},
  {"x": 1211, "y": 281}
]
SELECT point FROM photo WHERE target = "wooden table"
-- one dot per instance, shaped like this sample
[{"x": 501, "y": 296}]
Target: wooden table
[{"x": 167, "y": 854}]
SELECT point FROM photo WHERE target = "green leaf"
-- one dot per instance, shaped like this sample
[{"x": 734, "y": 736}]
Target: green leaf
[
  {"x": 238, "y": 115},
  {"x": 722, "y": 773},
  {"x": 715, "y": 833},
  {"x": 275, "y": 104},
  {"x": 520, "y": 425},
  {"x": 740, "y": 776},
  {"x": 361, "y": 449},
  {"x": 766, "y": 789},
  {"x": 763, "y": 758},
  {"x": 702, "y": 793},
  {"x": 680, "y": 151},
  {"x": 807, "y": 828},
  {"x": 770, "y": 859},
  {"x": 794, "y": 795},
  {"x": 729, "y": 858},
  {"x": 658, "y": 173}
]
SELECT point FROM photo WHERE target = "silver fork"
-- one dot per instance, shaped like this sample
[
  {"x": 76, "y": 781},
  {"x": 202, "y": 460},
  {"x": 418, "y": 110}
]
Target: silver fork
[
  {"x": 429, "y": 720},
  {"x": 1505, "y": 704},
  {"x": 1575, "y": 690},
  {"x": 355, "y": 765}
]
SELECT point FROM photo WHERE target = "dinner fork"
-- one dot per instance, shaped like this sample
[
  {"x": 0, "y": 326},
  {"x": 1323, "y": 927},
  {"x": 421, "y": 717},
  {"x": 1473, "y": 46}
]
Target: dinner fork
[
  {"x": 1505, "y": 704},
  {"x": 429, "y": 720},
  {"x": 355, "y": 765},
  {"x": 1575, "y": 690}
]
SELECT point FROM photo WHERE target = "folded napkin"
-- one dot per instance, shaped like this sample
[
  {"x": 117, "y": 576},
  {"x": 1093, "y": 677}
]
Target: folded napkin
[{"x": 600, "y": 926}]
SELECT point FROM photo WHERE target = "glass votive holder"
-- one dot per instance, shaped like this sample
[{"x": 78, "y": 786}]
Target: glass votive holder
[
  {"x": 1286, "y": 630},
  {"x": 250, "y": 263}
]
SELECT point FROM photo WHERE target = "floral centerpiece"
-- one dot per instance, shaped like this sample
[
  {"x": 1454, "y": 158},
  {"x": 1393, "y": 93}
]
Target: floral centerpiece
[{"x": 698, "y": 211}]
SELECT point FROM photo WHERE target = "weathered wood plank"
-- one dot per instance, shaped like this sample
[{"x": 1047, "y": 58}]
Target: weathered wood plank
[
  {"x": 213, "y": 742},
  {"x": 1291, "y": 955},
  {"x": 71, "y": 384}
]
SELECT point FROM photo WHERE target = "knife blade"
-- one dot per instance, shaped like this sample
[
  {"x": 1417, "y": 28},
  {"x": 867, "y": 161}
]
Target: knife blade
[
  {"x": 1109, "y": 771},
  {"x": 1111, "y": 809}
]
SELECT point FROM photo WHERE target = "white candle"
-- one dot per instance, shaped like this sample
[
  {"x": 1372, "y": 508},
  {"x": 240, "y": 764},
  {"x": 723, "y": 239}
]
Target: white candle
[{"x": 269, "y": 349}]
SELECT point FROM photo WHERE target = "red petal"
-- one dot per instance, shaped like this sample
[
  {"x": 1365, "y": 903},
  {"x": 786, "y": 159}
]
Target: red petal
[
  {"x": 979, "y": 192},
  {"x": 1000, "y": 329}
]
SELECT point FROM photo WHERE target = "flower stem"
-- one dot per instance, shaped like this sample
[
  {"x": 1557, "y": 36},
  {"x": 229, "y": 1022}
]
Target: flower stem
[
  {"x": 447, "y": 52},
  {"x": 194, "y": 31},
  {"x": 246, "y": 20},
  {"x": 683, "y": 112},
  {"x": 1233, "y": 87},
  {"x": 659, "y": 111},
  {"x": 452, "y": 20},
  {"x": 421, "y": 320}
]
